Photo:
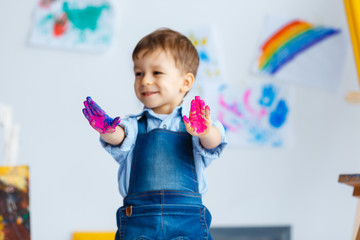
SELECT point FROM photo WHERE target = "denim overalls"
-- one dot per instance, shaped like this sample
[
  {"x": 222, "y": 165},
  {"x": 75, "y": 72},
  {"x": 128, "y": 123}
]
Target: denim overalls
[{"x": 163, "y": 200}]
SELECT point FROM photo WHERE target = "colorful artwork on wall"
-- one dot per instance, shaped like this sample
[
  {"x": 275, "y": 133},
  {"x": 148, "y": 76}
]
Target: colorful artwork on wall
[
  {"x": 205, "y": 43},
  {"x": 297, "y": 51},
  {"x": 254, "y": 114},
  {"x": 70, "y": 24},
  {"x": 14, "y": 203}
]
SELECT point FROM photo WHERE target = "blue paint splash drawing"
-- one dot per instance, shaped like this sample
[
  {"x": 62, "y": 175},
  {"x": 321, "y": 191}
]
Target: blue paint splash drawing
[{"x": 253, "y": 115}]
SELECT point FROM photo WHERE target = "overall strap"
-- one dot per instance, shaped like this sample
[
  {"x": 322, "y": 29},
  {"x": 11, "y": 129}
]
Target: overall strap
[{"x": 142, "y": 124}]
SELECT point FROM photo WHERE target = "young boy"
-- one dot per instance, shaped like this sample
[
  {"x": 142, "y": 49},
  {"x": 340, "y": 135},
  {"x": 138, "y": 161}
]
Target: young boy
[{"x": 162, "y": 153}]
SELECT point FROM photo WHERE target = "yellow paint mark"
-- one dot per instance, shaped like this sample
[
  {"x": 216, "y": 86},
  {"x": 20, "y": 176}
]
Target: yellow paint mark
[{"x": 93, "y": 236}]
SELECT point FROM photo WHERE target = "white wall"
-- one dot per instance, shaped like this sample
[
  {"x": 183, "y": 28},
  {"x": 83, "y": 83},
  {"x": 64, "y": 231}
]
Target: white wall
[{"x": 73, "y": 180}]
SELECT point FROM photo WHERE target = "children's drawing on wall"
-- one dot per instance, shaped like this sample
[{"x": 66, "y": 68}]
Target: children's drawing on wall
[
  {"x": 70, "y": 24},
  {"x": 14, "y": 182},
  {"x": 204, "y": 41},
  {"x": 14, "y": 196},
  {"x": 300, "y": 52},
  {"x": 254, "y": 115}
]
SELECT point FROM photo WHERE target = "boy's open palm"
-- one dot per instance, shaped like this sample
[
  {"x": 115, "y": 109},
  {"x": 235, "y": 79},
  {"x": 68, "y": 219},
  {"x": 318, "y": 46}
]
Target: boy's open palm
[
  {"x": 199, "y": 121},
  {"x": 98, "y": 119}
]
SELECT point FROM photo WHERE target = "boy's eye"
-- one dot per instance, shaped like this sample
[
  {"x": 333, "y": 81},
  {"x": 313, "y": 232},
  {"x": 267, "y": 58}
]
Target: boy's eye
[
  {"x": 157, "y": 73},
  {"x": 138, "y": 74}
]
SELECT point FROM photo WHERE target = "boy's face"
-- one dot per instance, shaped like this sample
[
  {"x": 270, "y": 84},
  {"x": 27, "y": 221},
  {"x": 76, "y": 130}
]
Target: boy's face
[{"x": 159, "y": 84}]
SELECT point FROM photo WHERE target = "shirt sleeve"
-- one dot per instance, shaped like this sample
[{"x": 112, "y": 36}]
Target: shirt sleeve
[
  {"x": 120, "y": 152},
  {"x": 208, "y": 155}
]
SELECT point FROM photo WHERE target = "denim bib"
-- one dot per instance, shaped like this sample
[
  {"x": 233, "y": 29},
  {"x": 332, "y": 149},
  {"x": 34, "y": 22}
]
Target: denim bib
[{"x": 163, "y": 160}]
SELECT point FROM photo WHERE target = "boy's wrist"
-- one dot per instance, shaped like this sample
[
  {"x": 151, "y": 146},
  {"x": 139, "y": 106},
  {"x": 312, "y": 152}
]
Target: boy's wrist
[
  {"x": 208, "y": 133},
  {"x": 114, "y": 138},
  {"x": 211, "y": 139}
]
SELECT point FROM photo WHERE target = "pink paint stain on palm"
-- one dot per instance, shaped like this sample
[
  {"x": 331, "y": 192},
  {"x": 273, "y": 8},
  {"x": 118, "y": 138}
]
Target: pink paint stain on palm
[
  {"x": 250, "y": 109},
  {"x": 196, "y": 119}
]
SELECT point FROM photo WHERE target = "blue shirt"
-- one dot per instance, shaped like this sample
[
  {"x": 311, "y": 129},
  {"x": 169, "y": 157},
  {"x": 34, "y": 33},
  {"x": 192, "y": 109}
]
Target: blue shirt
[{"x": 123, "y": 153}]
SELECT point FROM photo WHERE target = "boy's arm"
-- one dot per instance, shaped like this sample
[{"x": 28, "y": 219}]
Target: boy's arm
[
  {"x": 109, "y": 128},
  {"x": 199, "y": 124},
  {"x": 115, "y": 138}
]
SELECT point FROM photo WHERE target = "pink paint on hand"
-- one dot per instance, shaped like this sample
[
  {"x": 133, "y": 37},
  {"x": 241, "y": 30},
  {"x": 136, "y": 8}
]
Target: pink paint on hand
[{"x": 197, "y": 113}]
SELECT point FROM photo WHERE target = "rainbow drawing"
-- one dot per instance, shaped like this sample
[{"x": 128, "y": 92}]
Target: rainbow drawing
[{"x": 289, "y": 41}]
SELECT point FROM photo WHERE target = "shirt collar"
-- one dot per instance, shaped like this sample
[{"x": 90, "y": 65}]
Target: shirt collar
[{"x": 177, "y": 111}]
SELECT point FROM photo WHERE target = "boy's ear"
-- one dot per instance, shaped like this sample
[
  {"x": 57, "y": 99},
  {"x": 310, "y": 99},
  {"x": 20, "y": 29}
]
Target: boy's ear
[{"x": 189, "y": 79}]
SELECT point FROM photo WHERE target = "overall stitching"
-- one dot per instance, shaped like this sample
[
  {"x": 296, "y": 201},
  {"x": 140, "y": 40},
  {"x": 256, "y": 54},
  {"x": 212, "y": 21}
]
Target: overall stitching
[
  {"x": 122, "y": 226},
  {"x": 206, "y": 225},
  {"x": 149, "y": 193},
  {"x": 162, "y": 212},
  {"x": 203, "y": 223}
]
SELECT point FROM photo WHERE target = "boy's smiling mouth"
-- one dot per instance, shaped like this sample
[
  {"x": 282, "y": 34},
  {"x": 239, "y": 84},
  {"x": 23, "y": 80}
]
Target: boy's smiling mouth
[{"x": 147, "y": 94}]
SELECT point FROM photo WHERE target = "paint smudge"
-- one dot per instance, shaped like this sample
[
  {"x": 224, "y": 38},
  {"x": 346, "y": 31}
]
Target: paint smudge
[
  {"x": 278, "y": 116},
  {"x": 268, "y": 95},
  {"x": 60, "y": 25},
  {"x": 86, "y": 18}
]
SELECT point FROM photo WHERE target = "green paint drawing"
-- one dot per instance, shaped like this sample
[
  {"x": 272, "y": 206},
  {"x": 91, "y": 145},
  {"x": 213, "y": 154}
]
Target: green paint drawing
[{"x": 86, "y": 18}]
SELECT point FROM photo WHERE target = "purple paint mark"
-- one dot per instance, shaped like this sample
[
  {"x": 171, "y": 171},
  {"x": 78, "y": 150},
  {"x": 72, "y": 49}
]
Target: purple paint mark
[
  {"x": 98, "y": 119},
  {"x": 251, "y": 110},
  {"x": 227, "y": 126},
  {"x": 232, "y": 108},
  {"x": 197, "y": 112}
]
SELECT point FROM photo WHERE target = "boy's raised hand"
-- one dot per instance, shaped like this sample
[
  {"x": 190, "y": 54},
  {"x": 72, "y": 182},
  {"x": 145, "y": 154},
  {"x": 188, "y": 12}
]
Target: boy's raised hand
[
  {"x": 199, "y": 121},
  {"x": 98, "y": 119}
]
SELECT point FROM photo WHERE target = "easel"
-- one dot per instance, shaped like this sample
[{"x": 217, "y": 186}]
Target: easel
[
  {"x": 354, "y": 180},
  {"x": 352, "y": 8}
]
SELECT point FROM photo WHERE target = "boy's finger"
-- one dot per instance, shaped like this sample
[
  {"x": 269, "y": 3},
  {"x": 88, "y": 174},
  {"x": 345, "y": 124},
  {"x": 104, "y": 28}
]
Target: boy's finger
[
  {"x": 193, "y": 107},
  {"x": 207, "y": 112},
  {"x": 202, "y": 107},
  {"x": 93, "y": 106},
  {"x": 96, "y": 108},
  {"x": 86, "y": 114},
  {"x": 186, "y": 120},
  {"x": 187, "y": 123},
  {"x": 88, "y": 109},
  {"x": 115, "y": 122}
]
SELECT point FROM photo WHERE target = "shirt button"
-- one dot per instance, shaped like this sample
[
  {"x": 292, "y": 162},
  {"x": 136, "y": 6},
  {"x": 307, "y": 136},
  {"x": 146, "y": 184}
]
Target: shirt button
[{"x": 164, "y": 126}]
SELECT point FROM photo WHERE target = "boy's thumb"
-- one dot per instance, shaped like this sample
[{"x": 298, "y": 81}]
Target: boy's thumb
[{"x": 116, "y": 121}]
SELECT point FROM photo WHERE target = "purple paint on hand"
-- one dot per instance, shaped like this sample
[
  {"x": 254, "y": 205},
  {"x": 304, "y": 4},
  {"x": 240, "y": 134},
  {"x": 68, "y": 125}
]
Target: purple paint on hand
[
  {"x": 197, "y": 112},
  {"x": 98, "y": 119}
]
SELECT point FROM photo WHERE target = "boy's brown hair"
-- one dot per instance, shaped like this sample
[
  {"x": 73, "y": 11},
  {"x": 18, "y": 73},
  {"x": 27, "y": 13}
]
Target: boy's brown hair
[{"x": 179, "y": 46}]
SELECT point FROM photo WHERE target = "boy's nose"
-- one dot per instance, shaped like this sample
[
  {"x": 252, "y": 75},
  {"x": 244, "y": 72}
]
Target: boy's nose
[{"x": 147, "y": 80}]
